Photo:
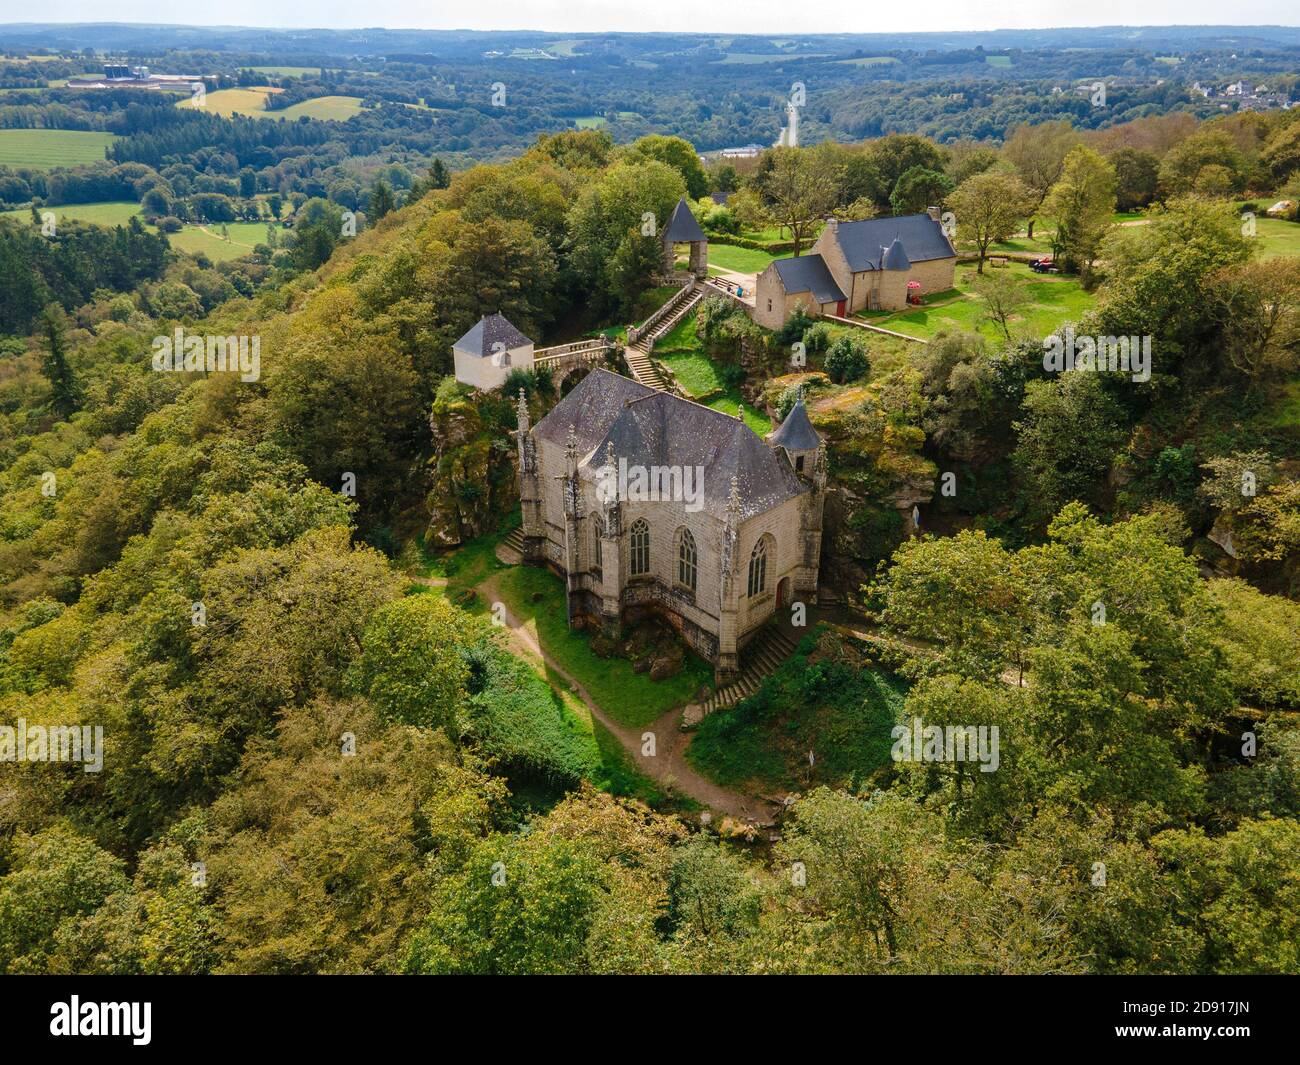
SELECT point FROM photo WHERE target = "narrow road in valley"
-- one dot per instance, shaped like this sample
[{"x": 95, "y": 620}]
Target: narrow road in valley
[{"x": 668, "y": 765}]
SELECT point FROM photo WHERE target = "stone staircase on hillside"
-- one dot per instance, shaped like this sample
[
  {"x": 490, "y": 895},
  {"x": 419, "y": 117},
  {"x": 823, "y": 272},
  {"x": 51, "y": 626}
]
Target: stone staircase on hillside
[
  {"x": 758, "y": 661},
  {"x": 638, "y": 351},
  {"x": 515, "y": 539}
]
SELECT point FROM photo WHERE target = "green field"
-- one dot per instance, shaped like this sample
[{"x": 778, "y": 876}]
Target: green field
[
  {"x": 105, "y": 214},
  {"x": 243, "y": 235},
  {"x": 338, "y": 108},
  {"x": 869, "y": 61},
  {"x": 740, "y": 260},
  {"x": 252, "y": 102},
  {"x": 1276, "y": 237},
  {"x": 998, "y": 60},
  {"x": 1053, "y": 301},
  {"x": 590, "y": 121},
  {"x": 227, "y": 102},
  {"x": 43, "y": 149}
]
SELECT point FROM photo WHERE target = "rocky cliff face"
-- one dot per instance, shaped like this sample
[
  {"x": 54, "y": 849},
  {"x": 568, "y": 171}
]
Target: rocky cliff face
[
  {"x": 877, "y": 475},
  {"x": 473, "y": 476}
]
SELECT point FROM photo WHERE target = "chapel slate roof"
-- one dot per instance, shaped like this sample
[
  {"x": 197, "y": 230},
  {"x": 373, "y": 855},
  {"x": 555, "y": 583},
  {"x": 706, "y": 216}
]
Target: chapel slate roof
[
  {"x": 808, "y": 273},
  {"x": 863, "y": 242},
  {"x": 652, "y": 428},
  {"x": 796, "y": 433},
  {"x": 682, "y": 227},
  {"x": 491, "y": 329}
]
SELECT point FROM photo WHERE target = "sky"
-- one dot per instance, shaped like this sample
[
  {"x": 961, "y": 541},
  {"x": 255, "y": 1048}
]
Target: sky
[{"x": 754, "y": 16}]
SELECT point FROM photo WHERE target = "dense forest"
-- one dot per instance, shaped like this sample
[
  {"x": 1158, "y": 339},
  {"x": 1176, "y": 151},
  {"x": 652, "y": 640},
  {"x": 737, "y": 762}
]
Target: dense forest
[{"x": 320, "y": 755}]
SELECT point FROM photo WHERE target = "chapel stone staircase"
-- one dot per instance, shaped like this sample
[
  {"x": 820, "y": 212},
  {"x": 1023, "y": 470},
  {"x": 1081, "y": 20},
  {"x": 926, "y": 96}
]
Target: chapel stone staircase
[
  {"x": 637, "y": 353},
  {"x": 772, "y": 646}
]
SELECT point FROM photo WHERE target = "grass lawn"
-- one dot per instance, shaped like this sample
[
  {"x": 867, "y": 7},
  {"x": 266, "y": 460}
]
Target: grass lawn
[
  {"x": 590, "y": 121},
  {"x": 115, "y": 213},
  {"x": 43, "y": 149},
  {"x": 740, "y": 260},
  {"x": 835, "y": 707},
  {"x": 701, "y": 378},
  {"x": 1053, "y": 301},
  {"x": 536, "y": 597},
  {"x": 1277, "y": 237},
  {"x": 755, "y": 419}
]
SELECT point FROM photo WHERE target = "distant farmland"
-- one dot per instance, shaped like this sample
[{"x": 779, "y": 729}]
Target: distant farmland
[
  {"x": 252, "y": 102},
  {"x": 43, "y": 149}
]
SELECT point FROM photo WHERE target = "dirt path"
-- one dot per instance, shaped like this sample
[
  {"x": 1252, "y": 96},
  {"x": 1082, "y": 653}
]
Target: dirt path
[{"x": 668, "y": 765}]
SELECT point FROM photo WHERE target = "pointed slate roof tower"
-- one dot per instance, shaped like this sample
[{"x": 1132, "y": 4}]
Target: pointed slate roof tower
[
  {"x": 682, "y": 227},
  {"x": 796, "y": 433},
  {"x": 895, "y": 257}
]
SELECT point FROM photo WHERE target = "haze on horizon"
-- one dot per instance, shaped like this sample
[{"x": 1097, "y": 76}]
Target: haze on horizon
[{"x": 682, "y": 16}]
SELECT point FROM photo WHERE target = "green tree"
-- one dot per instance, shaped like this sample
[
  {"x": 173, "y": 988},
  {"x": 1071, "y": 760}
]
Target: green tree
[
  {"x": 988, "y": 207},
  {"x": 411, "y": 663},
  {"x": 1081, "y": 203},
  {"x": 381, "y": 200},
  {"x": 65, "y": 392}
]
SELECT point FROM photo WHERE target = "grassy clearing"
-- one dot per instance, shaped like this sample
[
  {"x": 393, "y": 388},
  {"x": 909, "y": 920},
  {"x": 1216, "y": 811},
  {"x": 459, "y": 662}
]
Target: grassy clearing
[
  {"x": 111, "y": 213},
  {"x": 228, "y": 102},
  {"x": 536, "y": 597},
  {"x": 252, "y": 103},
  {"x": 1277, "y": 237},
  {"x": 196, "y": 240},
  {"x": 44, "y": 149},
  {"x": 869, "y": 61},
  {"x": 737, "y": 259},
  {"x": 701, "y": 378},
  {"x": 823, "y": 699},
  {"x": 750, "y": 58},
  {"x": 336, "y": 108},
  {"x": 590, "y": 121},
  {"x": 1052, "y": 301}
]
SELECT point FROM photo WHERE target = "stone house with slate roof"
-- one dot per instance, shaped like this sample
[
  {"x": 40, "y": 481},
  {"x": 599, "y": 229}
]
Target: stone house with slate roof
[
  {"x": 486, "y": 354},
  {"x": 857, "y": 265},
  {"x": 716, "y": 563}
]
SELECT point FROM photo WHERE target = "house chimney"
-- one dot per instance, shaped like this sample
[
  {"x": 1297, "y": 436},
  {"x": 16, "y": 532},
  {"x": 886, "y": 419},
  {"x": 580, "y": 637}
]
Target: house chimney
[{"x": 933, "y": 212}]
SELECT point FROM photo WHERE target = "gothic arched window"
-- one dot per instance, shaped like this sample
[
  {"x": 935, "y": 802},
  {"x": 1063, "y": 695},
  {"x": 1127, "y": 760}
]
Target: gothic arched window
[
  {"x": 758, "y": 568},
  {"x": 686, "y": 560},
  {"x": 640, "y": 544}
]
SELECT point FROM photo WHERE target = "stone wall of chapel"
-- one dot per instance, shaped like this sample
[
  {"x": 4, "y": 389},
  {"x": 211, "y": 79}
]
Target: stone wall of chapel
[
  {"x": 785, "y": 558},
  {"x": 782, "y": 523}
]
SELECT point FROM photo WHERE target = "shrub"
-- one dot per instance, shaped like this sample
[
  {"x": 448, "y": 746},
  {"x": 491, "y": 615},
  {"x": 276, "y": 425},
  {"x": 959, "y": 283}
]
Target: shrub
[{"x": 846, "y": 360}]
